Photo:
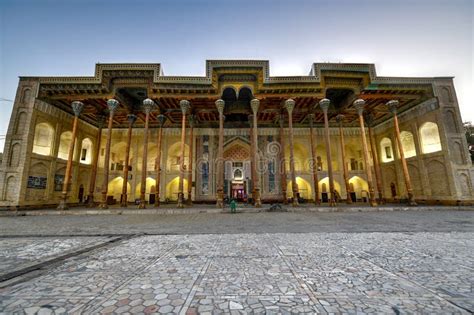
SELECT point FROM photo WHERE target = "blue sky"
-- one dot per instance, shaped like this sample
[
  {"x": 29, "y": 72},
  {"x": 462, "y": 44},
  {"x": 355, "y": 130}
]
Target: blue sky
[{"x": 403, "y": 38}]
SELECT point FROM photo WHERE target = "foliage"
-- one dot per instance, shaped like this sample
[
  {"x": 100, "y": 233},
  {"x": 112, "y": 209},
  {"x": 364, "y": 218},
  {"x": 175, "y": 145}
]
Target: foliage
[{"x": 469, "y": 131}]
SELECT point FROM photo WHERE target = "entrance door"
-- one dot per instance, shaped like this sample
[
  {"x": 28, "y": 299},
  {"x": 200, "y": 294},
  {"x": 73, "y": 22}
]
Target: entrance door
[
  {"x": 353, "y": 197},
  {"x": 238, "y": 191},
  {"x": 81, "y": 193},
  {"x": 324, "y": 197},
  {"x": 151, "y": 200}
]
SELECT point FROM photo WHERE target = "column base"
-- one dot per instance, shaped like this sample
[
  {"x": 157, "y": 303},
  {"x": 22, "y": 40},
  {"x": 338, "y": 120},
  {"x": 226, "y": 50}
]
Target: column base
[
  {"x": 90, "y": 201},
  {"x": 258, "y": 201},
  {"x": 180, "y": 200},
  {"x": 381, "y": 199},
  {"x": 285, "y": 200},
  {"x": 62, "y": 205},
  {"x": 348, "y": 198},
  {"x": 103, "y": 206},
  {"x": 295, "y": 202},
  {"x": 157, "y": 202},
  {"x": 189, "y": 201},
  {"x": 332, "y": 202},
  {"x": 372, "y": 201},
  {"x": 124, "y": 202},
  {"x": 411, "y": 200},
  {"x": 220, "y": 199}
]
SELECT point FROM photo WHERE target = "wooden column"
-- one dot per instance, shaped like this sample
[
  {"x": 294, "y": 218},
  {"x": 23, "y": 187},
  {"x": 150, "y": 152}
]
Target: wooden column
[
  {"x": 359, "y": 106},
  {"x": 339, "y": 119},
  {"x": 255, "y": 103},
  {"x": 161, "y": 120},
  {"x": 77, "y": 109},
  {"x": 314, "y": 164},
  {"x": 220, "y": 156},
  {"x": 253, "y": 170},
  {"x": 185, "y": 106},
  {"x": 290, "y": 105},
  {"x": 131, "y": 120},
  {"x": 375, "y": 156},
  {"x": 392, "y": 106},
  {"x": 324, "y": 104},
  {"x": 95, "y": 161},
  {"x": 148, "y": 105},
  {"x": 190, "y": 169},
  {"x": 282, "y": 167},
  {"x": 112, "y": 106}
]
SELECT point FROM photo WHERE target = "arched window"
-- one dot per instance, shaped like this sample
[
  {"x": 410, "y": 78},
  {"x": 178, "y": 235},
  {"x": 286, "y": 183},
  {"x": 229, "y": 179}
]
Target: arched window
[
  {"x": 43, "y": 139},
  {"x": 408, "y": 144},
  {"x": 86, "y": 151},
  {"x": 386, "y": 151},
  {"x": 429, "y": 136},
  {"x": 64, "y": 141}
]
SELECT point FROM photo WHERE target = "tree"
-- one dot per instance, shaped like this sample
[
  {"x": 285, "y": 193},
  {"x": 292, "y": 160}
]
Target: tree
[{"x": 469, "y": 131}]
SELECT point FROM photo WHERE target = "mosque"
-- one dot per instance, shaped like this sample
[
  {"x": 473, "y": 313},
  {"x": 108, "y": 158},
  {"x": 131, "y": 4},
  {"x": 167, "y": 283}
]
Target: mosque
[{"x": 131, "y": 136}]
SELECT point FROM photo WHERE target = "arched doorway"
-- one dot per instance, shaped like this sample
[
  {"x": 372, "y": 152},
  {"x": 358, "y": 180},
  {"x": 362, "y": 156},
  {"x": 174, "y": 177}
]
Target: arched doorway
[
  {"x": 80, "y": 194},
  {"x": 237, "y": 172}
]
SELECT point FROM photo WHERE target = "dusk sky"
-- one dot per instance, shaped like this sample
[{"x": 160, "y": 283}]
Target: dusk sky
[{"x": 402, "y": 38}]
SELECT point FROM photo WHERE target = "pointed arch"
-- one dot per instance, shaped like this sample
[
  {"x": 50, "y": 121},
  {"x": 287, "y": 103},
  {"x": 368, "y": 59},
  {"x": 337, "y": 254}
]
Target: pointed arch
[
  {"x": 359, "y": 186},
  {"x": 429, "y": 137},
  {"x": 172, "y": 188},
  {"x": 43, "y": 140},
  {"x": 64, "y": 142},
  {"x": 408, "y": 144}
]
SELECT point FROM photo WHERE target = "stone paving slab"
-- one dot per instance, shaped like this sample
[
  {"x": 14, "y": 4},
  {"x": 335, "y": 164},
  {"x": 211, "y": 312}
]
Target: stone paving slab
[
  {"x": 20, "y": 253},
  {"x": 311, "y": 273}
]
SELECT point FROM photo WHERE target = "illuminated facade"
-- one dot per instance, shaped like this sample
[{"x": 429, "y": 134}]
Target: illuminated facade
[{"x": 339, "y": 134}]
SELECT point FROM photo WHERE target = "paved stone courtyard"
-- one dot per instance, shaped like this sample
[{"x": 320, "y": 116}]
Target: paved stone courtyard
[{"x": 386, "y": 269}]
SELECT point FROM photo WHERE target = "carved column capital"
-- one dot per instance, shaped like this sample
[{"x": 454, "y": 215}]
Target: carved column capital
[
  {"x": 148, "y": 105},
  {"x": 112, "y": 105},
  {"x": 220, "y": 104},
  {"x": 77, "y": 107},
  {"x": 185, "y": 106},
  {"x": 255, "y": 104},
  {"x": 392, "y": 106},
  {"x": 290, "y": 105},
  {"x": 369, "y": 119},
  {"x": 359, "y": 105},
  {"x": 324, "y": 104},
  {"x": 100, "y": 121},
  {"x": 340, "y": 118},
  {"x": 161, "y": 120},
  {"x": 131, "y": 118}
]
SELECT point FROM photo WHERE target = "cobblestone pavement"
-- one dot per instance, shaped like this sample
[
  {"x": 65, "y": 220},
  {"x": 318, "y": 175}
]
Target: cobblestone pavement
[
  {"x": 273, "y": 273},
  {"x": 434, "y": 220}
]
